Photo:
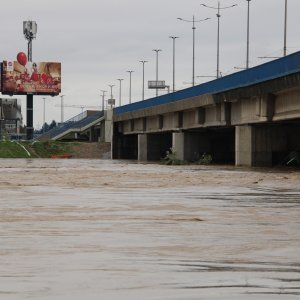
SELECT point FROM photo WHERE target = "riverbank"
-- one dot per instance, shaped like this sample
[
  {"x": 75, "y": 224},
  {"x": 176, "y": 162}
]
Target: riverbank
[{"x": 36, "y": 149}]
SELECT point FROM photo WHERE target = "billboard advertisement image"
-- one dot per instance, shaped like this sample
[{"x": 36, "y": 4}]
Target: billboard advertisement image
[{"x": 23, "y": 77}]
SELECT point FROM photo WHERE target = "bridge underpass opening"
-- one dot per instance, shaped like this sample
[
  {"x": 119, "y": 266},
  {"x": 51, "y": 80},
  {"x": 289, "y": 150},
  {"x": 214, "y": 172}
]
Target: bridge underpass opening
[
  {"x": 125, "y": 146},
  {"x": 154, "y": 146},
  {"x": 285, "y": 143},
  {"x": 272, "y": 144},
  {"x": 218, "y": 142}
]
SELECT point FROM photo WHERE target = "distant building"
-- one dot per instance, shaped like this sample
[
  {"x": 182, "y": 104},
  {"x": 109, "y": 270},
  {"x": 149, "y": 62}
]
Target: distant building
[{"x": 11, "y": 118}]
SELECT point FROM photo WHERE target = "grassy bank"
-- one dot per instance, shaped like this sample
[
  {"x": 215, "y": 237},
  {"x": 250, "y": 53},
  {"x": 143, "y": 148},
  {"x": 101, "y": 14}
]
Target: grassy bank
[{"x": 23, "y": 149}]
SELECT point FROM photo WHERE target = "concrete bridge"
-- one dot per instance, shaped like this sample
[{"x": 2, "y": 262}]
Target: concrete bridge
[{"x": 248, "y": 118}]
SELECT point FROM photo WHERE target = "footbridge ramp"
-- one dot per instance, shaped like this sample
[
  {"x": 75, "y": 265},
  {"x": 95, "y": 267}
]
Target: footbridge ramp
[{"x": 76, "y": 126}]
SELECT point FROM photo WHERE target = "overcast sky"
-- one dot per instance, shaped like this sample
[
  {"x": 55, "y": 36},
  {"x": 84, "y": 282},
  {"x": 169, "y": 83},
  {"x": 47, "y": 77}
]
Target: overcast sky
[{"x": 97, "y": 41}]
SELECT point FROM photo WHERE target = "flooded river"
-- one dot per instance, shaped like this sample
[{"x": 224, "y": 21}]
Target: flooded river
[{"x": 100, "y": 229}]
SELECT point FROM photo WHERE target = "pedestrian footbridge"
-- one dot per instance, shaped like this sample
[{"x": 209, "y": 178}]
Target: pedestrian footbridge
[{"x": 89, "y": 125}]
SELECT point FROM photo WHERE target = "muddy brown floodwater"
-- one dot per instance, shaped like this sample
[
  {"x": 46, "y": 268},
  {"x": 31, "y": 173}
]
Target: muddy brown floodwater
[{"x": 100, "y": 229}]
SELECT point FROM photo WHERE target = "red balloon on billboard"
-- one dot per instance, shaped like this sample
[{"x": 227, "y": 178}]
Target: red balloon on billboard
[{"x": 22, "y": 58}]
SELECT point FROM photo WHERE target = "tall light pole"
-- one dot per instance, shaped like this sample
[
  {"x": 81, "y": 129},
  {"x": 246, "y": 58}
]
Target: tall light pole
[
  {"x": 157, "y": 51},
  {"x": 130, "y": 85},
  {"x": 248, "y": 33},
  {"x": 29, "y": 31},
  {"x": 62, "y": 109},
  {"x": 120, "y": 90},
  {"x": 143, "y": 91},
  {"x": 194, "y": 28},
  {"x": 103, "y": 95},
  {"x": 173, "y": 38},
  {"x": 285, "y": 28},
  {"x": 218, "y": 8}
]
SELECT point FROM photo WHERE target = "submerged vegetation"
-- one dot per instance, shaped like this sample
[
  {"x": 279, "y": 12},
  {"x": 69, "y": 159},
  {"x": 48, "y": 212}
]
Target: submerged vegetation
[{"x": 172, "y": 159}]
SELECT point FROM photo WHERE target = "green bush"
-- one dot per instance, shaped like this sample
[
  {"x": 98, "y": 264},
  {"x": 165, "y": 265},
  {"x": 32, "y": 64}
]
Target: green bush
[{"x": 171, "y": 158}]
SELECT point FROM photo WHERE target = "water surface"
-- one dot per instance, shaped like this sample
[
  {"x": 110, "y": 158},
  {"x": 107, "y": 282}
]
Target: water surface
[{"x": 91, "y": 229}]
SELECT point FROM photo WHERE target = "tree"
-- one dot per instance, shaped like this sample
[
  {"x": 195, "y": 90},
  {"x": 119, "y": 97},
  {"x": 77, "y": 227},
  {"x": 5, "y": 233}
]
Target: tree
[{"x": 52, "y": 125}]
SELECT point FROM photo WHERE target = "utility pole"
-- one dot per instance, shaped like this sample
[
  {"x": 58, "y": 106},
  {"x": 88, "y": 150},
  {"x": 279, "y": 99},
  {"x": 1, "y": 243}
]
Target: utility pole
[
  {"x": 218, "y": 8},
  {"x": 103, "y": 95},
  {"x": 248, "y": 33},
  {"x": 193, "y": 21},
  {"x": 120, "y": 91},
  {"x": 157, "y": 50},
  {"x": 143, "y": 91},
  {"x": 285, "y": 28},
  {"x": 173, "y": 38},
  {"x": 130, "y": 85}
]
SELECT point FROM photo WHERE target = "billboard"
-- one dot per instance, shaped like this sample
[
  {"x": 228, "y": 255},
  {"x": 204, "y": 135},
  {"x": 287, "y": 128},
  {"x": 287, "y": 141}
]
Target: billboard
[
  {"x": 22, "y": 77},
  {"x": 159, "y": 84}
]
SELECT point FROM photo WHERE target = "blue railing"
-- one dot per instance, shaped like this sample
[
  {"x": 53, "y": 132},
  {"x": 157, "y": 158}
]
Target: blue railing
[{"x": 268, "y": 71}]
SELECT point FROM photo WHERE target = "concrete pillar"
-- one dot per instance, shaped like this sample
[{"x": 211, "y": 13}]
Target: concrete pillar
[
  {"x": 90, "y": 132},
  {"x": 178, "y": 144},
  {"x": 243, "y": 145},
  {"x": 186, "y": 145},
  {"x": 253, "y": 146},
  {"x": 142, "y": 147},
  {"x": 108, "y": 126}
]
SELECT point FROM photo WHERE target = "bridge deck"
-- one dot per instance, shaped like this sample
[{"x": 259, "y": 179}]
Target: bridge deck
[{"x": 271, "y": 70}]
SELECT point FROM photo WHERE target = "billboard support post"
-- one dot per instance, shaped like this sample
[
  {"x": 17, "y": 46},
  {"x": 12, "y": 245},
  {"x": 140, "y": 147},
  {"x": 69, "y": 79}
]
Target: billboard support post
[
  {"x": 29, "y": 117},
  {"x": 29, "y": 30}
]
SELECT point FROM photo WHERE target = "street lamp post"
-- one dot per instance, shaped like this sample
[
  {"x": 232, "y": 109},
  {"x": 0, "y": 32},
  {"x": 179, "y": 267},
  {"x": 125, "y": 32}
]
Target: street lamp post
[
  {"x": 285, "y": 28},
  {"x": 194, "y": 28},
  {"x": 120, "y": 95},
  {"x": 143, "y": 91},
  {"x": 248, "y": 33},
  {"x": 157, "y": 51},
  {"x": 218, "y": 8},
  {"x": 103, "y": 95},
  {"x": 173, "y": 38},
  {"x": 130, "y": 85}
]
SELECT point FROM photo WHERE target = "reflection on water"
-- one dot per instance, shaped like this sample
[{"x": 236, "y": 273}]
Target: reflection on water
[{"x": 65, "y": 238}]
